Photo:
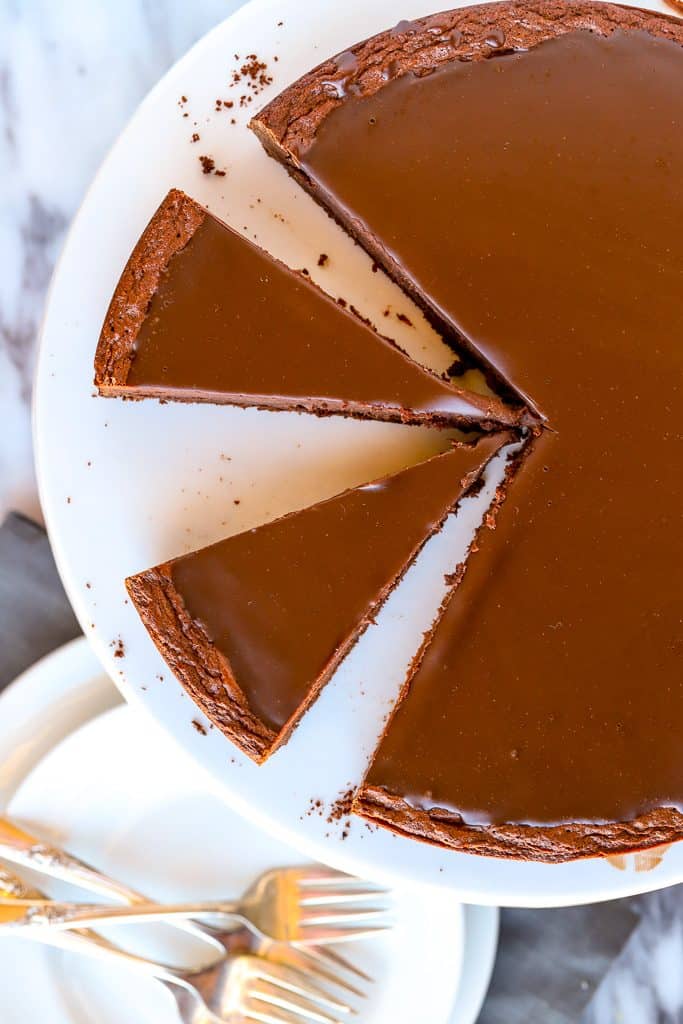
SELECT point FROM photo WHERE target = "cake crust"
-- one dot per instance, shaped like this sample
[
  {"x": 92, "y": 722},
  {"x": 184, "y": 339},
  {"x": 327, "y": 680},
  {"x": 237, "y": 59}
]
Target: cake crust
[
  {"x": 169, "y": 231},
  {"x": 288, "y": 124},
  {"x": 549, "y": 844},
  {"x": 198, "y": 665}
]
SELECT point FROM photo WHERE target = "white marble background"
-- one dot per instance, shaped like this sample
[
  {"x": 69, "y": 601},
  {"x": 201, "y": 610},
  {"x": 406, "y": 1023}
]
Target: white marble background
[{"x": 71, "y": 74}]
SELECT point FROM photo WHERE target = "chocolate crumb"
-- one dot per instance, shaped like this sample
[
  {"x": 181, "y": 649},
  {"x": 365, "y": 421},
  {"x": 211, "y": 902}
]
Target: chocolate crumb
[
  {"x": 195, "y": 137},
  {"x": 119, "y": 648},
  {"x": 254, "y": 73},
  {"x": 236, "y": 501},
  {"x": 199, "y": 727},
  {"x": 375, "y": 267},
  {"x": 88, "y": 586},
  {"x": 323, "y": 259},
  {"x": 305, "y": 271},
  {"x": 341, "y": 808},
  {"x": 209, "y": 166},
  {"x": 404, "y": 319},
  {"x": 342, "y": 302},
  {"x": 68, "y": 501}
]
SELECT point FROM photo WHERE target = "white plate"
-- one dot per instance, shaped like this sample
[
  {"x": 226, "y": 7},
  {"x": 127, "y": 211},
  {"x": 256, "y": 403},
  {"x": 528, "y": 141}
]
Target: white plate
[
  {"x": 144, "y": 811},
  {"x": 126, "y": 485}
]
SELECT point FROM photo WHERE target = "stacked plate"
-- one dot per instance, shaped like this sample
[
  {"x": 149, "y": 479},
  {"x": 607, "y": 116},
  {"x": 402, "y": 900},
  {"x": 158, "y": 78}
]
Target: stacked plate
[{"x": 83, "y": 770}]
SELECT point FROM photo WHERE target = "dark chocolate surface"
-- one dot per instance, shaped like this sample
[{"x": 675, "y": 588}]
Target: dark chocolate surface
[
  {"x": 223, "y": 321},
  {"x": 537, "y": 199},
  {"x": 282, "y": 601}
]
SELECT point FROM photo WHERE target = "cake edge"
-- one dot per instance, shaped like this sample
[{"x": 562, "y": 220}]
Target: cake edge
[
  {"x": 550, "y": 844},
  {"x": 170, "y": 229}
]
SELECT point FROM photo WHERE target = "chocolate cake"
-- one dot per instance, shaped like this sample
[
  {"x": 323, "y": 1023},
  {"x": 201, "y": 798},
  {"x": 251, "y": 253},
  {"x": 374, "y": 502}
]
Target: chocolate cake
[
  {"x": 255, "y": 625},
  {"x": 518, "y": 169},
  {"x": 202, "y": 314}
]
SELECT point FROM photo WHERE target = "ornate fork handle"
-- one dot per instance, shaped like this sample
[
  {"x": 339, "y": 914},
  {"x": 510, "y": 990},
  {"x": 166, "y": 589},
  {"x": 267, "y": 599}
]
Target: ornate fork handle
[
  {"x": 54, "y": 914},
  {"x": 19, "y": 847}
]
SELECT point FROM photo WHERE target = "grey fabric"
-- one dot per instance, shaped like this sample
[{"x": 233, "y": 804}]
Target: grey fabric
[
  {"x": 645, "y": 983},
  {"x": 550, "y": 962},
  {"x": 35, "y": 615}
]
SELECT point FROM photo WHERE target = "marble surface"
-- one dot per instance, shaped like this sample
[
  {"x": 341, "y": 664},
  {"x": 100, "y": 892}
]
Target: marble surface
[{"x": 71, "y": 74}]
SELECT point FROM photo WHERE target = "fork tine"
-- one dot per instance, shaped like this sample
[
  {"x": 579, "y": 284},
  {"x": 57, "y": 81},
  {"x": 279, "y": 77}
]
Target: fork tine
[
  {"x": 298, "y": 983},
  {"x": 330, "y": 956},
  {"x": 297, "y": 1007},
  {"x": 318, "y": 872},
  {"x": 339, "y": 915},
  {"x": 325, "y": 936},
  {"x": 322, "y": 876},
  {"x": 314, "y": 963},
  {"x": 273, "y": 1017},
  {"x": 319, "y": 897}
]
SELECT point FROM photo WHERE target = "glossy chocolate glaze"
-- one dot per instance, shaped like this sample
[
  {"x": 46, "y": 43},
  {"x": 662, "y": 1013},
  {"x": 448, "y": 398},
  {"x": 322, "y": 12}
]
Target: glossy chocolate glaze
[
  {"x": 283, "y": 601},
  {"x": 227, "y": 320},
  {"x": 537, "y": 199}
]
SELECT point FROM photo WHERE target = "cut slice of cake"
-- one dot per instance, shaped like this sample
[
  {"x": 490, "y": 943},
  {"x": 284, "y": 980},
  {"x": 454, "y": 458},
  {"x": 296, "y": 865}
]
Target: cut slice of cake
[
  {"x": 254, "y": 625},
  {"x": 202, "y": 314}
]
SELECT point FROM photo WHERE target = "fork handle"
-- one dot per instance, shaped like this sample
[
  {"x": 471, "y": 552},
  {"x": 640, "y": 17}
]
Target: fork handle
[
  {"x": 16, "y": 914},
  {"x": 93, "y": 945},
  {"x": 28, "y": 851},
  {"x": 22, "y": 848}
]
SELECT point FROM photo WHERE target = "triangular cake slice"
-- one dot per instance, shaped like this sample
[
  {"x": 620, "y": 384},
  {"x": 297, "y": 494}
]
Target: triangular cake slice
[
  {"x": 202, "y": 314},
  {"x": 254, "y": 625}
]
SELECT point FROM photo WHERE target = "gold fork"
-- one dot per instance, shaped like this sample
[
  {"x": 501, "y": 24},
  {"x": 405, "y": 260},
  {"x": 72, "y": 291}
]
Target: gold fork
[
  {"x": 304, "y": 905},
  {"x": 277, "y": 902},
  {"x": 239, "y": 986}
]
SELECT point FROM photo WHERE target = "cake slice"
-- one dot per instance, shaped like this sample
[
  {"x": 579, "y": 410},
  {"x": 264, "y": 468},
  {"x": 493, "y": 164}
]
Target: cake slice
[
  {"x": 254, "y": 625},
  {"x": 202, "y": 314}
]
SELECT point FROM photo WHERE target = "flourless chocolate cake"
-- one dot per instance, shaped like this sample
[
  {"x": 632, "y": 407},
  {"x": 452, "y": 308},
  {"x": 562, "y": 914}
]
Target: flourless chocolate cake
[
  {"x": 518, "y": 169},
  {"x": 202, "y": 314},
  {"x": 255, "y": 625}
]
